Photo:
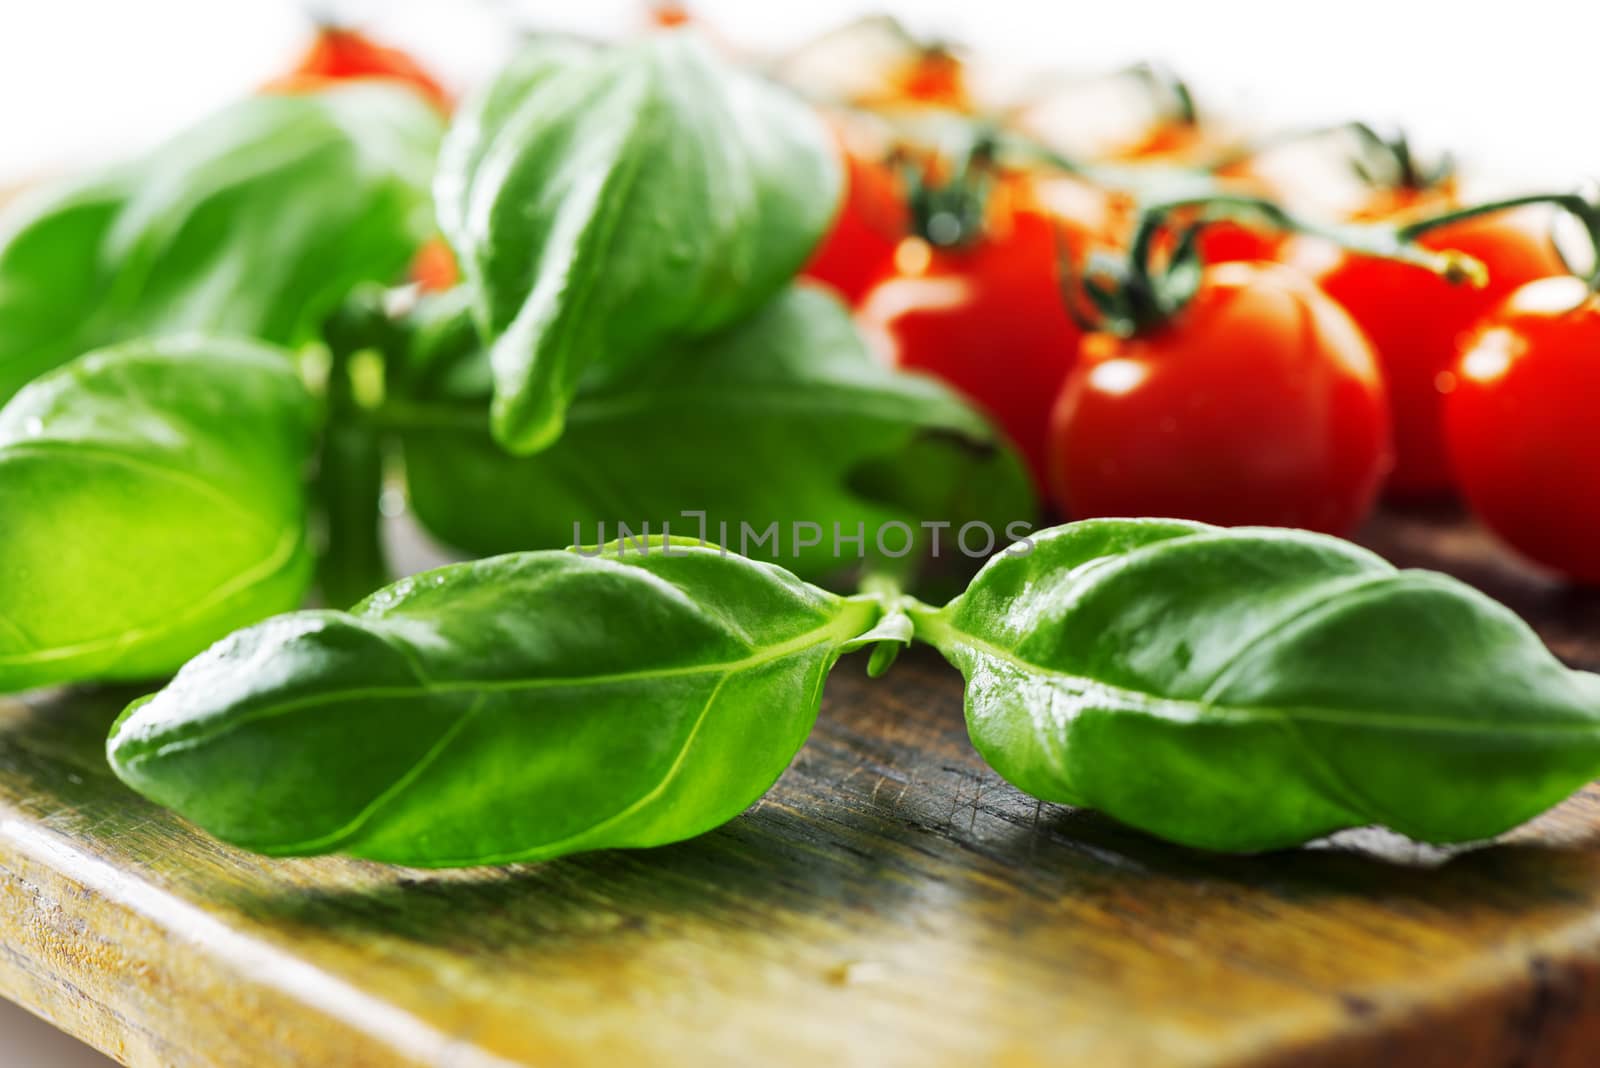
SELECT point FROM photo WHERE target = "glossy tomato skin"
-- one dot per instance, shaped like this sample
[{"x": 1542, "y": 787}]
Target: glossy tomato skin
[
  {"x": 1522, "y": 428},
  {"x": 1259, "y": 404},
  {"x": 872, "y": 219},
  {"x": 1231, "y": 242},
  {"x": 1416, "y": 320},
  {"x": 987, "y": 319}
]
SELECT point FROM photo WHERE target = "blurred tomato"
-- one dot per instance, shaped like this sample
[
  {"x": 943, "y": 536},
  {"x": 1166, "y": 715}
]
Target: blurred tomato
[
  {"x": 667, "y": 15},
  {"x": 341, "y": 54},
  {"x": 871, "y": 221},
  {"x": 988, "y": 317},
  {"x": 1521, "y": 427},
  {"x": 1415, "y": 320},
  {"x": 434, "y": 268},
  {"x": 933, "y": 77}
]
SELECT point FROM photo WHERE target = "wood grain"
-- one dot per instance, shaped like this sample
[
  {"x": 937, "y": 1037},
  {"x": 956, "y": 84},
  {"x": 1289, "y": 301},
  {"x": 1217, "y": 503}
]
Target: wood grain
[{"x": 890, "y": 902}]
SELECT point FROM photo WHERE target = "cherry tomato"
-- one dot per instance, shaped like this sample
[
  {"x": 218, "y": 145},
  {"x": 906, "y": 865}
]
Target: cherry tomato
[
  {"x": 1260, "y": 403},
  {"x": 925, "y": 75},
  {"x": 434, "y": 268},
  {"x": 1415, "y": 320},
  {"x": 1227, "y": 241},
  {"x": 340, "y": 54},
  {"x": 935, "y": 77},
  {"x": 1521, "y": 426},
  {"x": 871, "y": 221},
  {"x": 668, "y": 15},
  {"x": 988, "y": 319}
]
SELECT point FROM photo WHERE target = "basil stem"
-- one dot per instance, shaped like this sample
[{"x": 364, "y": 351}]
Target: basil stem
[{"x": 1224, "y": 689}]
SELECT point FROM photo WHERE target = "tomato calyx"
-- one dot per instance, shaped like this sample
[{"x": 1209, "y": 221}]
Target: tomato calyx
[
  {"x": 1136, "y": 293},
  {"x": 1386, "y": 160},
  {"x": 950, "y": 210},
  {"x": 1141, "y": 292},
  {"x": 1174, "y": 100}
]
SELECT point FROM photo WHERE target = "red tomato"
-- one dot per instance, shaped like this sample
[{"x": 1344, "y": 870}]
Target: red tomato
[
  {"x": 668, "y": 15},
  {"x": 1415, "y": 320},
  {"x": 1260, "y": 403},
  {"x": 871, "y": 221},
  {"x": 338, "y": 54},
  {"x": 935, "y": 78},
  {"x": 1231, "y": 242},
  {"x": 434, "y": 268},
  {"x": 1521, "y": 427},
  {"x": 987, "y": 318},
  {"x": 927, "y": 76},
  {"x": 1226, "y": 241}
]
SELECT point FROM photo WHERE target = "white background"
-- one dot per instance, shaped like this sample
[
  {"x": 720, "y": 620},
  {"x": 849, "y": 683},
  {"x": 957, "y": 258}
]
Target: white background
[{"x": 1516, "y": 86}]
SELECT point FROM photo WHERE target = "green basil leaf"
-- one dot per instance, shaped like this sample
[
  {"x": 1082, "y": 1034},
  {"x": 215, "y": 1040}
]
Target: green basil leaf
[
  {"x": 151, "y": 501},
  {"x": 256, "y": 222},
  {"x": 51, "y": 275},
  {"x": 1252, "y": 689},
  {"x": 515, "y": 708},
  {"x": 603, "y": 201},
  {"x": 783, "y": 419}
]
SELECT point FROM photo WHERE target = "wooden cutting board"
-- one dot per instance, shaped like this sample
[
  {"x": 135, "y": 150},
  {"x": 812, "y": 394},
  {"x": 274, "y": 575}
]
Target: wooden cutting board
[{"x": 890, "y": 902}]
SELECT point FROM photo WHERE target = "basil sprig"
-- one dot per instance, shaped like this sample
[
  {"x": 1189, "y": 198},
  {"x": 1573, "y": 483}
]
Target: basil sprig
[
  {"x": 629, "y": 221},
  {"x": 660, "y": 200},
  {"x": 1226, "y": 689},
  {"x": 254, "y": 223},
  {"x": 605, "y": 201}
]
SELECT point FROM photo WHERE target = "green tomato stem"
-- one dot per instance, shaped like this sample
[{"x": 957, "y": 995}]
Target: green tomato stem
[
  {"x": 1377, "y": 240},
  {"x": 1587, "y": 214},
  {"x": 1145, "y": 292}
]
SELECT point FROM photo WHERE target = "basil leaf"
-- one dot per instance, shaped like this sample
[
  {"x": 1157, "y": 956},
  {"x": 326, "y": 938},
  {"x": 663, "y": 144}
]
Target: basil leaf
[
  {"x": 781, "y": 420},
  {"x": 150, "y": 501},
  {"x": 51, "y": 274},
  {"x": 1252, "y": 689},
  {"x": 257, "y": 222},
  {"x": 515, "y": 708},
  {"x": 604, "y": 200}
]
